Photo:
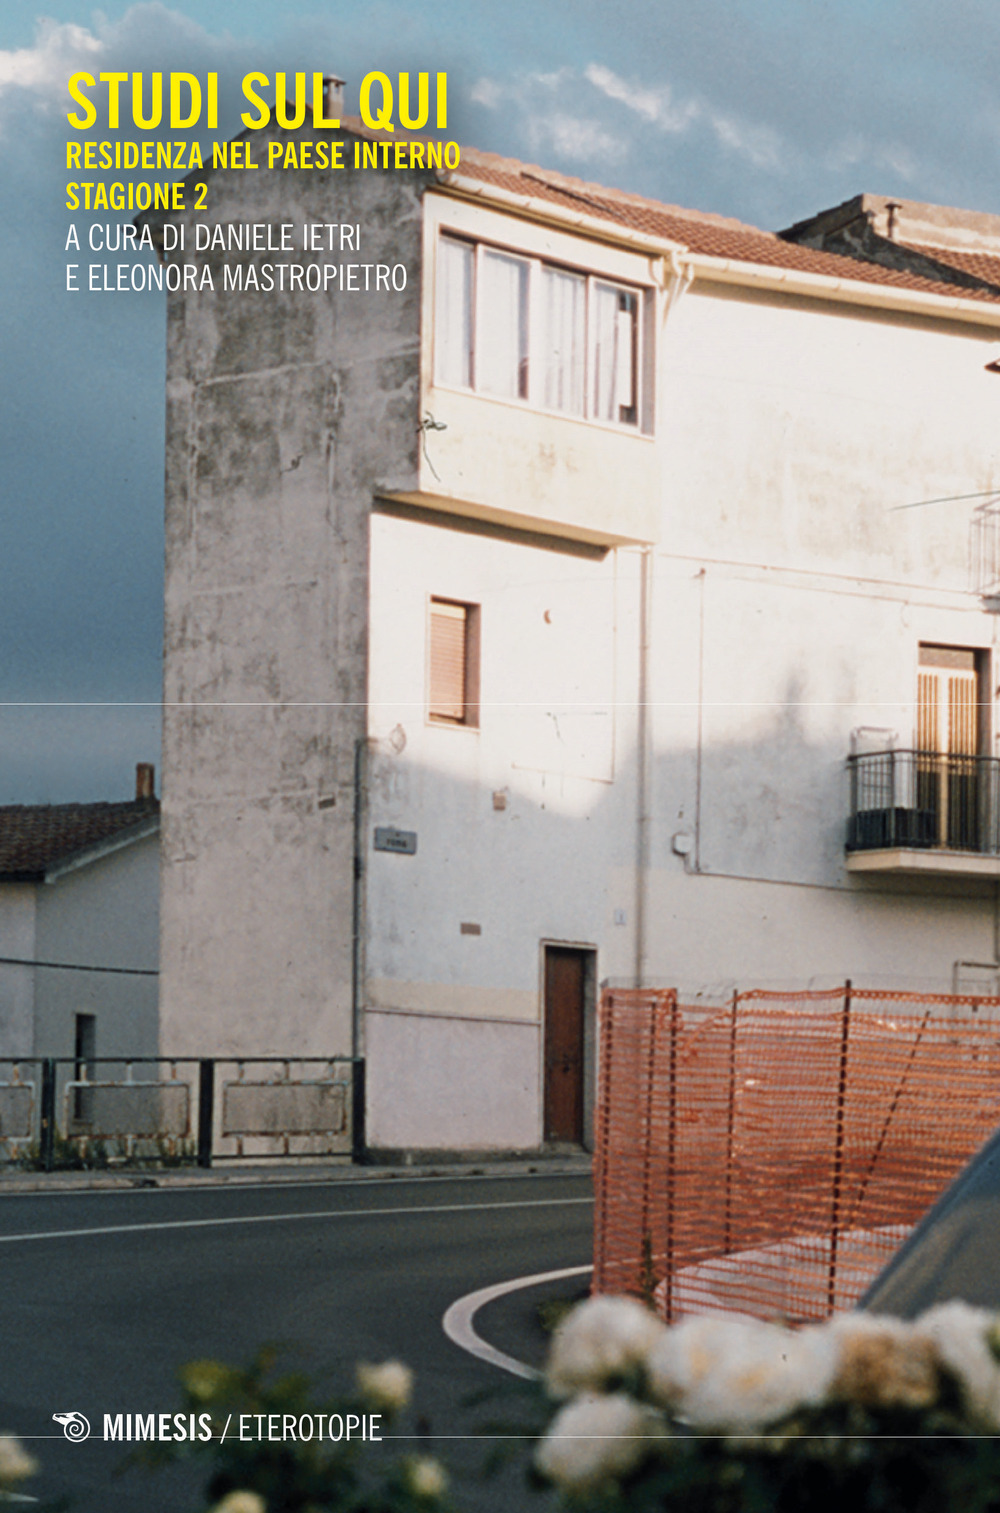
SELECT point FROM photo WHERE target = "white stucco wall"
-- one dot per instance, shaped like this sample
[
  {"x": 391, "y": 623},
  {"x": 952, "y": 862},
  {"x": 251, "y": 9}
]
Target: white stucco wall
[
  {"x": 790, "y": 595},
  {"x": 17, "y": 984},
  {"x": 506, "y": 459},
  {"x": 790, "y": 587},
  {"x": 102, "y": 914}
]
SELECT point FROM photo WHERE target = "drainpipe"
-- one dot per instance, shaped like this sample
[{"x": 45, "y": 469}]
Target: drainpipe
[
  {"x": 643, "y": 817},
  {"x": 671, "y": 276},
  {"x": 359, "y": 1122},
  {"x": 696, "y": 864},
  {"x": 358, "y": 900}
]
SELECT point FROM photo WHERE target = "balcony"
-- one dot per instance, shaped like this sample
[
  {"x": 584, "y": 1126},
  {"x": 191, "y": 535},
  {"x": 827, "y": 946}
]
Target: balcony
[{"x": 924, "y": 812}]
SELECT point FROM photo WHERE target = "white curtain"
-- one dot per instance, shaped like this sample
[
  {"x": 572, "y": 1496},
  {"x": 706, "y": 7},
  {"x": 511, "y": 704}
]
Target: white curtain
[
  {"x": 614, "y": 359},
  {"x": 564, "y": 304},
  {"x": 502, "y": 353},
  {"x": 453, "y": 323}
]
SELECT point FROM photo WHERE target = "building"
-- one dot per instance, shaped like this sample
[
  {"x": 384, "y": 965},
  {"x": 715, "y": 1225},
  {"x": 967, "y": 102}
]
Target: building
[
  {"x": 551, "y": 613},
  {"x": 79, "y": 895}
]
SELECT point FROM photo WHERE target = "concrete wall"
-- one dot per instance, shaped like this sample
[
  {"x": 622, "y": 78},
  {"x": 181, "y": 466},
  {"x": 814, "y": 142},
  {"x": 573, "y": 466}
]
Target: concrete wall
[
  {"x": 105, "y": 914},
  {"x": 285, "y": 413}
]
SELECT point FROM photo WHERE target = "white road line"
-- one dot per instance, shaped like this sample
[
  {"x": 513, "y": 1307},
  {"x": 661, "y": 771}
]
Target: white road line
[
  {"x": 331, "y": 1213},
  {"x": 458, "y": 1326}
]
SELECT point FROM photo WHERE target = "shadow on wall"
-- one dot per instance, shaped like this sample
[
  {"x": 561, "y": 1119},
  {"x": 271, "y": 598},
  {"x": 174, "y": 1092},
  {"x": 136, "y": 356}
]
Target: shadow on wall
[{"x": 556, "y": 861}]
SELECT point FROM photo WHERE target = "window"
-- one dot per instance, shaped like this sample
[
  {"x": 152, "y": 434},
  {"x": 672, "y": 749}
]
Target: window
[
  {"x": 84, "y": 1051},
  {"x": 453, "y": 663},
  {"x": 454, "y": 313},
  {"x": 949, "y": 702},
  {"x": 951, "y": 730},
  {"x": 523, "y": 329},
  {"x": 564, "y": 342},
  {"x": 502, "y": 363},
  {"x": 614, "y": 375}
]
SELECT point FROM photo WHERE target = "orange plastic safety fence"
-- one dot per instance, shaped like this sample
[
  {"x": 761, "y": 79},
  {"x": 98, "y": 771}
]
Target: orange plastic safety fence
[{"x": 770, "y": 1157}]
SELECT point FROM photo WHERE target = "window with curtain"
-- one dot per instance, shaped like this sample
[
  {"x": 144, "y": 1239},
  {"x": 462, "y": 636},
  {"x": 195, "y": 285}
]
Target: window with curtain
[
  {"x": 453, "y": 312},
  {"x": 523, "y": 329},
  {"x": 564, "y": 328},
  {"x": 502, "y": 355},
  {"x": 614, "y": 312}
]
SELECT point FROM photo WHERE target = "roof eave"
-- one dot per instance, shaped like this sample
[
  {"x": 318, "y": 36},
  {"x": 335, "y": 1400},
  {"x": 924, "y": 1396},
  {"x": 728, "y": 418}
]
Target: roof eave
[
  {"x": 535, "y": 208},
  {"x": 703, "y": 267},
  {"x": 844, "y": 290},
  {"x": 74, "y": 860}
]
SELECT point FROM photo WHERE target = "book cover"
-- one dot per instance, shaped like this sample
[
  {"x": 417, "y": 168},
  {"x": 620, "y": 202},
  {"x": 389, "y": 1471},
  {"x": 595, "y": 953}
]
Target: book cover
[{"x": 453, "y": 549}]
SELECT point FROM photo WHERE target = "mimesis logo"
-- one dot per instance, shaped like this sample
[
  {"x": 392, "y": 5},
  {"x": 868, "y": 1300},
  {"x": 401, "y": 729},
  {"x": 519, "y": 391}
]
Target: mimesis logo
[
  {"x": 74, "y": 1425},
  {"x": 246, "y": 1427}
]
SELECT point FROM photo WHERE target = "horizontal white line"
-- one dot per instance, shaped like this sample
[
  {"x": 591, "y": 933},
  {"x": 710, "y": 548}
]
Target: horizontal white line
[
  {"x": 330, "y": 1213},
  {"x": 598, "y": 708}
]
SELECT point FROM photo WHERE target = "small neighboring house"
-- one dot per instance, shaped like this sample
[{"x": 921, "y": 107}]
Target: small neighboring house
[
  {"x": 79, "y": 890},
  {"x": 587, "y": 599}
]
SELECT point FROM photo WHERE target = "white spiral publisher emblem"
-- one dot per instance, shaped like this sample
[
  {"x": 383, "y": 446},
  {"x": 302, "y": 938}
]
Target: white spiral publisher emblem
[{"x": 75, "y": 1426}]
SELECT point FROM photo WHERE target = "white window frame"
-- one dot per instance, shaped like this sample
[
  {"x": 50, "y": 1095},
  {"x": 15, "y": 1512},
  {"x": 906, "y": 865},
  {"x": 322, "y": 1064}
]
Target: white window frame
[{"x": 534, "y": 397}]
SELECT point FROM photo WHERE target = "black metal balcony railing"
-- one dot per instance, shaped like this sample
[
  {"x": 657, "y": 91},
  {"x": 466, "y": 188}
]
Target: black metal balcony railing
[{"x": 923, "y": 799}]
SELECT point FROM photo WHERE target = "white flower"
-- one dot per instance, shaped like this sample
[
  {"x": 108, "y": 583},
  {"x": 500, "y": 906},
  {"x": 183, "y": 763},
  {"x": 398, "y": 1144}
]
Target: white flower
[
  {"x": 601, "y": 1339},
  {"x": 960, "y": 1336},
  {"x": 387, "y": 1386},
  {"x": 597, "y": 1438},
  {"x": 207, "y": 1379},
  {"x": 15, "y": 1462},
  {"x": 883, "y": 1363},
  {"x": 739, "y": 1374},
  {"x": 241, "y": 1502},
  {"x": 425, "y": 1476}
]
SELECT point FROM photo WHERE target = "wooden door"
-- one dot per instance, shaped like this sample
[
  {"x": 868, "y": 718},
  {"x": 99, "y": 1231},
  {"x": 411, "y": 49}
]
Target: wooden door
[{"x": 565, "y": 1010}]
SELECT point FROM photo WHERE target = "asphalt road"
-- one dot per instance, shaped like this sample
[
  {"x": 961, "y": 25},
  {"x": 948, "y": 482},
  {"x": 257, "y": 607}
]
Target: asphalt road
[{"x": 104, "y": 1296}]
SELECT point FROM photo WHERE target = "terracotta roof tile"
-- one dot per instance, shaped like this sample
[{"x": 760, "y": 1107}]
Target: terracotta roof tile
[
  {"x": 980, "y": 265},
  {"x": 34, "y": 837},
  {"x": 718, "y": 236}
]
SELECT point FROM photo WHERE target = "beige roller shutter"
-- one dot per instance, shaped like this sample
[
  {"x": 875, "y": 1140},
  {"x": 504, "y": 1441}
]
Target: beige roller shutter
[{"x": 448, "y": 657}]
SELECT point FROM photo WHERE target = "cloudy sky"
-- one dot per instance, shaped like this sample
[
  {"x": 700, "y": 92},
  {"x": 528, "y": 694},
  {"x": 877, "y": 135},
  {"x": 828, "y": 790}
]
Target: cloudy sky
[{"x": 763, "y": 109}]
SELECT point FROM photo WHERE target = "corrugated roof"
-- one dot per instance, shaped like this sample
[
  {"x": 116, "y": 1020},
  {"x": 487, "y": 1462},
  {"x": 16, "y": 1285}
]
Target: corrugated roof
[
  {"x": 35, "y": 837},
  {"x": 718, "y": 236}
]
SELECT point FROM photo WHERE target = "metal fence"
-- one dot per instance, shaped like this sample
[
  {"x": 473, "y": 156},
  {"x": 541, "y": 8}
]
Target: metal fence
[
  {"x": 923, "y": 799},
  {"x": 64, "y": 1112},
  {"x": 769, "y": 1157}
]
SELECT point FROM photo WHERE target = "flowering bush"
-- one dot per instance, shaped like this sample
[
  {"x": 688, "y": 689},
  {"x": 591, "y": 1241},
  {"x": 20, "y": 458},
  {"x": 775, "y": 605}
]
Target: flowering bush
[
  {"x": 15, "y": 1462},
  {"x": 314, "y": 1469},
  {"x": 719, "y": 1414},
  {"x": 16, "y": 1466}
]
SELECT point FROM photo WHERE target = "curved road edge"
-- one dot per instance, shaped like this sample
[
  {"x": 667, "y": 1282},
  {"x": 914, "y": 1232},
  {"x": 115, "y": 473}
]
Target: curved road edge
[{"x": 458, "y": 1325}]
